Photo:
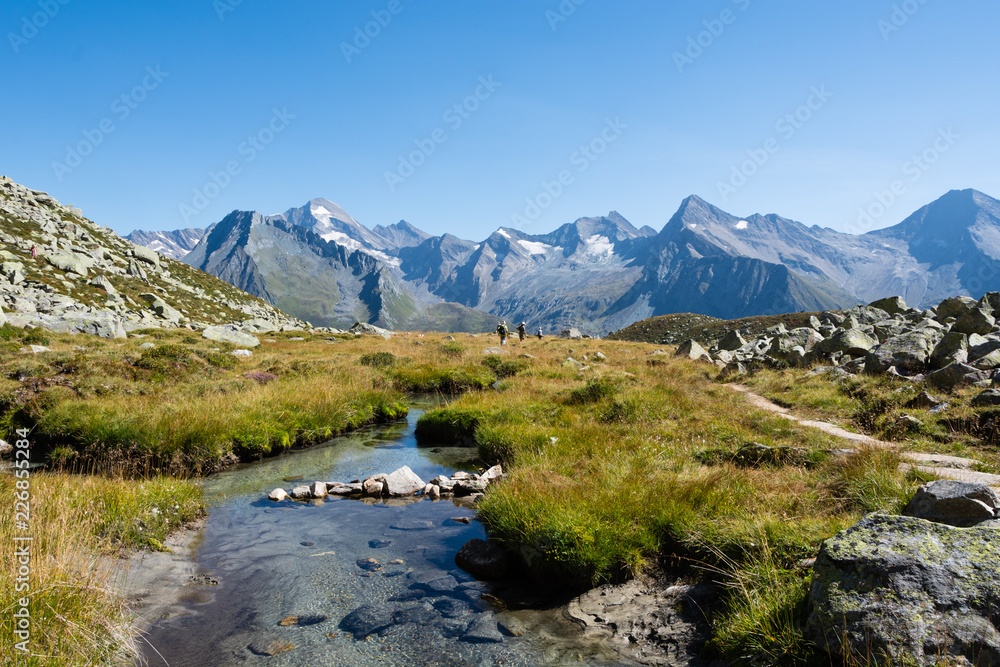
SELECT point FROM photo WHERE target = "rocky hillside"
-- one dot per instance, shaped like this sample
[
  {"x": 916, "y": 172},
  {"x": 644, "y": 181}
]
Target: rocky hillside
[
  {"x": 85, "y": 278},
  {"x": 955, "y": 343}
]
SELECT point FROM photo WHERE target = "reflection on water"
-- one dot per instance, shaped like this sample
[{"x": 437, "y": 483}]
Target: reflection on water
[{"x": 289, "y": 573}]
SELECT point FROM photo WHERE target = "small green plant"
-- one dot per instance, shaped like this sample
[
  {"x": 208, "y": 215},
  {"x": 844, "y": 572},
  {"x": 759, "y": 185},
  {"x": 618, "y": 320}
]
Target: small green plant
[
  {"x": 35, "y": 336},
  {"x": 378, "y": 359},
  {"x": 453, "y": 349},
  {"x": 504, "y": 368},
  {"x": 595, "y": 390},
  {"x": 221, "y": 360}
]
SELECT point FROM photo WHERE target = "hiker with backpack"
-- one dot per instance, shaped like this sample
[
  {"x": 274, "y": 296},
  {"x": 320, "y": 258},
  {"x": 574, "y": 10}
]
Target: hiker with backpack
[{"x": 502, "y": 331}]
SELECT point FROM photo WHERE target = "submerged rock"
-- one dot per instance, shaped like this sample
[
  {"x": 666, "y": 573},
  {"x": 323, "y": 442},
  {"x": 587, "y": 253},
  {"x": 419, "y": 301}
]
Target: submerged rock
[{"x": 483, "y": 560}]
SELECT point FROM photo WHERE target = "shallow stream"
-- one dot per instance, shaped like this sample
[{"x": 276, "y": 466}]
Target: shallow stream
[{"x": 274, "y": 561}]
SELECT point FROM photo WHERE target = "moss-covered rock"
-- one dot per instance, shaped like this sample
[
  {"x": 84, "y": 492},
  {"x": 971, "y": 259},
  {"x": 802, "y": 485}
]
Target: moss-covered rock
[{"x": 907, "y": 591}]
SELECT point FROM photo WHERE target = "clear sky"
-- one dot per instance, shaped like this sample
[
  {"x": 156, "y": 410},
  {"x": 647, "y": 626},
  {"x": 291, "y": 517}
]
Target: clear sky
[{"x": 164, "y": 114}]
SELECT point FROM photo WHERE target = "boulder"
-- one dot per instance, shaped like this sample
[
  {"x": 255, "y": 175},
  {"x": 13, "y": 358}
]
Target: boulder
[
  {"x": 318, "y": 489},
  {"x": 923, "y": 401},
  {"x": 980, "y": 346},
  {"x": 954, "y": 503},
  {"x": 904, "y": 590},
  {"x": 976, "y": 321},
  {"x": 161, "y": 307},
  {"x": 908, "y": 352},
  {"x": 955, "y": 306},
  {"x": 3, "y": 317},
  {"x": 893, "y": 305},
  {"x": 258, "y": 325},
  {"x": 5, "y": 447},
  {"x": 301, "y": 492},
  {"x": 483, "y": 560},
  {"x": 953, "y": 347},
  {"x": 855, "y": 342},
  {"x": 367, "y": 620},
  {"x": 12, "y": 271},
  {"x": 572, "y": 334},
  {"x": 732, "y": 341},
  {"x": 373, "y": 486},
  {"x": 227, "y": 333},
  {"x": 467, "y": 487},
  {"x": 146, "y": 255},
  {"x": 988, "y": 362},
  {"x": 987, "y": 398},
  {"x": 277, "y": 495},
  {"x": 692, "y": 350},
  {"x": 402, "y": 482},
  {"x": 70, "y": 262},
  {"x": 956, "y": 375},
  {"x": 496, "y": 472},
  {"x": 365, "y": 329},
  {"x": 102, "y": 282}
]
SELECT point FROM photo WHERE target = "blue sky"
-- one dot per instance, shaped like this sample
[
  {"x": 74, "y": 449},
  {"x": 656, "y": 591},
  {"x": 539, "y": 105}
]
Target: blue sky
[{"x": 167, "y": 114}]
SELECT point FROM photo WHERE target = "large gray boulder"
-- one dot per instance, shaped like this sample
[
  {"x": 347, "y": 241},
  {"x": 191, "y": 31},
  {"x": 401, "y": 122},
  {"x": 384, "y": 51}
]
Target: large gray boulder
[
  {"x": 146, "y": 255},
  {"x": 908, "y": 352},
  {"x": 227, "y": 333},
  {"x": 953, "y": 347},
  {"x": 954, "y": 503},
  {"x": 70, "y": 262},
  {"x": 955, "y": 306},
  {"x": 977, "y": 321},
  {"x": 3, "y": 317},
  {"x": 902, "y": 590},
  {"x": 732, "y": 341},
  {"x": 956, "y": 375},
  {"x": 855, "y": 342},
  {"x": 892, "y": 305},
  {"x": 693, "y": 350}
]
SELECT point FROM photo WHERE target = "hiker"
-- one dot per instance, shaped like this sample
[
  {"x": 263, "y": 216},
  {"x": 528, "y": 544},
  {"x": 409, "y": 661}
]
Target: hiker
[
  {"x": 539, "y": 333},
  {"x": 520, "y": 332},
  {"x": 34, "y": 252},
  {"x": 502, "y": 331}
]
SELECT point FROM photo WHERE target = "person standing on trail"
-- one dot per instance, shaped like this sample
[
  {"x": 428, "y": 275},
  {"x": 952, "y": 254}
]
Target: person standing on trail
[
  {"x": 539, "y": 333},
  {"x": 503, "y": 331},
  {"x": 520, "y": 332}
]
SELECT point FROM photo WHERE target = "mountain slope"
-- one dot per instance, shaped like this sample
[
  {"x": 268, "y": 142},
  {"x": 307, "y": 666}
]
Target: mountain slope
[{"x": 85, "y": 278}]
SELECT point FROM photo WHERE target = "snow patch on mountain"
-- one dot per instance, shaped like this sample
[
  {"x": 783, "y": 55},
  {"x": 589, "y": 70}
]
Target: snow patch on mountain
[{"x": 537, "y": 247}]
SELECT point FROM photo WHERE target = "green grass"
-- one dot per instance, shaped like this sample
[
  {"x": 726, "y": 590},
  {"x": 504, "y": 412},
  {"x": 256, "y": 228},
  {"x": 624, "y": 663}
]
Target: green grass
[{"x": 80, "y": 524}]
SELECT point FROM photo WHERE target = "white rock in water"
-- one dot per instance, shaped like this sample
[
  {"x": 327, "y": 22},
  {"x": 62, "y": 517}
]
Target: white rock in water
[
  {"x": 277, "y": 495},
  {"x": 403, "y": 482},
  {"x": 318, "y": 489},
  {"x": 301, "y": 492}
]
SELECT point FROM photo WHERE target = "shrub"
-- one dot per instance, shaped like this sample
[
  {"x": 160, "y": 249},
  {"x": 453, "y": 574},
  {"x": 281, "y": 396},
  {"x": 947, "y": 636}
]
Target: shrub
[
  {"x": 595, "y": 390},
  {"x": 34, "y": 336},
  {"x": 378, "y": 359},
  {"x": 221, "y": 360},
  {"x": 453, "y": 349},
  {"x": 504, "y": 368}
]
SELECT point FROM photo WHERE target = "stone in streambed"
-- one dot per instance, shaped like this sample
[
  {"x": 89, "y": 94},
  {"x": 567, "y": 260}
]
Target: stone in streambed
[
  {"x": 367, "y": 620},
  {"x": 277, "y": 495},
  {"x": 483, "y": 560}
]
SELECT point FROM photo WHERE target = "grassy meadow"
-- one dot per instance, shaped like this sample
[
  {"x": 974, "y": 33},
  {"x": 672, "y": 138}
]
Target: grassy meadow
[{"x": 628, "y": 463}]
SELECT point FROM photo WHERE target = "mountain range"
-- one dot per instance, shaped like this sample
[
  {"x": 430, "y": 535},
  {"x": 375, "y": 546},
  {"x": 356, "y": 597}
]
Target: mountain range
[{"x": 598, "y": 274}]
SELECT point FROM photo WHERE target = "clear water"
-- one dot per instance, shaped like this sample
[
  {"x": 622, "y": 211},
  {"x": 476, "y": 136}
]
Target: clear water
[{"x": 276, "y": 560}]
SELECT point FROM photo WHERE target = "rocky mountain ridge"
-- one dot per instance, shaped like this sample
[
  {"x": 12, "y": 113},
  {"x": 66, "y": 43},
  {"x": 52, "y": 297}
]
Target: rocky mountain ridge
[
  {"x": 601, "y": 274},
  {"x": 61, "y": 271}
]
